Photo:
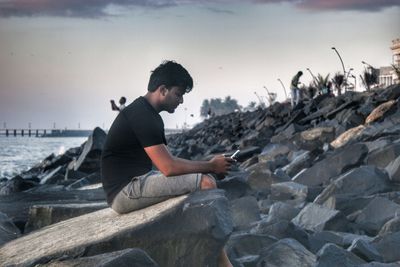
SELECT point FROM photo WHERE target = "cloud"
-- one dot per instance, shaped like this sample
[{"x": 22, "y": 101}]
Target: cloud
[{"x": 100, "y": 8}]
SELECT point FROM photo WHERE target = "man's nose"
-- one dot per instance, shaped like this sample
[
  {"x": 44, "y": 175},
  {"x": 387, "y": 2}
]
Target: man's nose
[{"x": 181, "y": 100}]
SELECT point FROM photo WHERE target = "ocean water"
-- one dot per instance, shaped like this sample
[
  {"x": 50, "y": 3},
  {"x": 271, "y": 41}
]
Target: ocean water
[{"x": 19, "y": 154}]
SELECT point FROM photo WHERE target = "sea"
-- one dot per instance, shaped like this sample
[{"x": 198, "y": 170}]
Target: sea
[{"x": 18, "y": 154}]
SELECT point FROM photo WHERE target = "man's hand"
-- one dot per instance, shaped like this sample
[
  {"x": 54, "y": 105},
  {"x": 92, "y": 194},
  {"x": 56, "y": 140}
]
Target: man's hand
[{"x": 221, "y": 164}]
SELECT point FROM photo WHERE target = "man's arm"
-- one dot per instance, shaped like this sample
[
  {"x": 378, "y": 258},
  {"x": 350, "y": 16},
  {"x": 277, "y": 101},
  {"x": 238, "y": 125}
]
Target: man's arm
[{"x": 171, "y": 166}]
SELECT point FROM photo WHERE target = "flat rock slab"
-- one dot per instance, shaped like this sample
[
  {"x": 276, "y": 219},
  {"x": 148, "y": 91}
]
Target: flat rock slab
[
  {"x": 124, "y": 258},
  {"x": 332, "y": 255},
  {"x": 182, "y": 231}
]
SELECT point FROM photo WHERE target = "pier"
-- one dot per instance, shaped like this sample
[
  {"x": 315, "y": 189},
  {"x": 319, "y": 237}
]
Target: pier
[
  {"x": 59, "y": 132},
  {"x": 44, "y": 133}
]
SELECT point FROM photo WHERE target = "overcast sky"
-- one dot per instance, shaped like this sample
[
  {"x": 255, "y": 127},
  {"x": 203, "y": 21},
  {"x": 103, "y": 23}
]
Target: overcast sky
[{"x": 61, "y": 61}]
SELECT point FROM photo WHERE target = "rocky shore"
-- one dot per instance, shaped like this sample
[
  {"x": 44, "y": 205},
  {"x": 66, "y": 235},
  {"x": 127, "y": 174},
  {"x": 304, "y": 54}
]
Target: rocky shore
[{"x": 317, "y": 185}]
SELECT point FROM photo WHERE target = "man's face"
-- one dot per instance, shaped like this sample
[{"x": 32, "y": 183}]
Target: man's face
[{"x": 173, "y": 98}]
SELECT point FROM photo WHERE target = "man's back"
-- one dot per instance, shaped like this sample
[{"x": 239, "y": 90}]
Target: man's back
[{"x": 123, "y": 158}]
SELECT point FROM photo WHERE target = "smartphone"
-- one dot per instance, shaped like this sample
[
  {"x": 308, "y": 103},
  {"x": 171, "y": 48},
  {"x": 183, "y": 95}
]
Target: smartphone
[{"x": 235, "y": 154}]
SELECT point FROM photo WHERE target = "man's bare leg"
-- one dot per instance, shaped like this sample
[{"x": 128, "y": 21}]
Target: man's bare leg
[{"x": 208, "y": 182}]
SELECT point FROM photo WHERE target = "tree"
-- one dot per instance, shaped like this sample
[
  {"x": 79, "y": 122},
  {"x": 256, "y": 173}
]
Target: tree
[
  {"x": 338, "y": 82},
  {"x": 396, "y": 71},
  {"x": 217, "y": 106},
  {"x": 322, "y": 83},
  {"x": 369, "y": 78}
]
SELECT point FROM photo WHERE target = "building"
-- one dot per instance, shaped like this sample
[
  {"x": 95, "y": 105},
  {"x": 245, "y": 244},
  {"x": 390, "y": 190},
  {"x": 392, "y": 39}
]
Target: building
[{"x": 387, "y": 75}]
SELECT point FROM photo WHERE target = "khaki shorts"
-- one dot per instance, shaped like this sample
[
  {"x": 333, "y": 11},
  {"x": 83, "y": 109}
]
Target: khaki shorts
[{"x": 153, "y": 187}]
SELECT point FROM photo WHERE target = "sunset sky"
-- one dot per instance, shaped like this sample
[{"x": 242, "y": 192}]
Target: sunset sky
[{"x": 61, "y": 61}]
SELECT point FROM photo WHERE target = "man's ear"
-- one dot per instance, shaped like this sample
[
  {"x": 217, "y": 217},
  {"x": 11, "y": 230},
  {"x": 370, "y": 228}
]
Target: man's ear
[{"x": 163, "y": 89}]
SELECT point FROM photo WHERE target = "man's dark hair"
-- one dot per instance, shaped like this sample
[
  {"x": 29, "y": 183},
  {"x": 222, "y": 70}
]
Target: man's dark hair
[
  {"x": 300, "y": 73},
  {"x": 170, "y": 73}
]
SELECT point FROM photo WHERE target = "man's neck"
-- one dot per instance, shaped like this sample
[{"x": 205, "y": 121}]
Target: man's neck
[{"x": 153, "y": 101}]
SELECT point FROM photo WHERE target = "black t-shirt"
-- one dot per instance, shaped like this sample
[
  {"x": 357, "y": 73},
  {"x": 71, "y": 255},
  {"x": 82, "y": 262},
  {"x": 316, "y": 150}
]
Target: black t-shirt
[{"x": 136, "y": 126}]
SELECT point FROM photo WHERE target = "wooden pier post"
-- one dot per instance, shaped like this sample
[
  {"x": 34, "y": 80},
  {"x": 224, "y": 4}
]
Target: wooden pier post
[{"x": 15, "y": 132}]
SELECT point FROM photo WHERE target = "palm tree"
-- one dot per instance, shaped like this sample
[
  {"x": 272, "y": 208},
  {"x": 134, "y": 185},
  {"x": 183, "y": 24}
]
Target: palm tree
[
  {"x": 338, "y": 81},
  {"x": 369, "y": 78},
  {"x": 322, "y": 83},
  {"x": 396, "y": 71}
]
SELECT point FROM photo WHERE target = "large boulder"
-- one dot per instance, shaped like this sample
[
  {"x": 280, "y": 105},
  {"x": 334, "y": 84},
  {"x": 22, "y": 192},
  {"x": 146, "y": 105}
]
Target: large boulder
[
  {"x": 380, "y": 111},
  {"x": 244, "y": 212},
  {"x": 316, "y": 218},
  {"x": 376, "y": 214},
  {"x": 333, "y": 165},
  {"x": 388, "y": 246},
  {"x": 43, "y": 215},
  {"x": 332, "y": 255},
  {"x": 123, "y": 258},
  {"x": 8, "y": 230},
  {"x": 393, "y": 169},
  {"x": 89, "y": 159},
  {"x": 182, "y": 231},
  {"x": 286, "y": 252},
  {"x": 382, "y": 156}
]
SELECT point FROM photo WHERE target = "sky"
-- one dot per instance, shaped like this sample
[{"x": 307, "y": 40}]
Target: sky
[{"x": 61, "y": 61}]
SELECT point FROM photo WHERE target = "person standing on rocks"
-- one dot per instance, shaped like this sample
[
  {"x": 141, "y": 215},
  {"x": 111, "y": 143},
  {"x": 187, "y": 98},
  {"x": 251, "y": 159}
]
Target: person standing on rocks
[
  {"x": 294, "y": 87},
  {"x": 136, "y": 141},
  {"x": 121, "y": 106}
]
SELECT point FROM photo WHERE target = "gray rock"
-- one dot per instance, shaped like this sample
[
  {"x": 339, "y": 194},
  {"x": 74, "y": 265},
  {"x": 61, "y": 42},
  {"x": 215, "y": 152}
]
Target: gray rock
[
  {"x": 316, "y": 218},
  {"x": 93, "y": 178},
  {"x": 286, "y": 252},
  {"x": 261, "y": 178},
  {"x": 8, "y": 230},
  {"x": 282, "y": 211},
  {"x": 333, "y": 165},
  {"x": 318, "y": 239},
  {"x": 89, "y": 159},
  {"x": 376, "y": 214},
  {"x": 243, "y": 244},
  {"x": 383, "y": 155},
  {"x": 123, "y": 258},
  {"x": 52, "y": 176},
  {"x": 289, "y": 192},
  {"x": 272, "y": 151},
  {"x": 43, "y": 215},
  {"x": 391, "y": 226},
  {"x": 235, "y": 186},
  {"x": 14, "y": 185},
  {"x": 380, "y": 264},
  {"x": 388, "y": 246},
  {"x": 365, "y": 251},
  {"x": 315, "y": 138},
  {"x": 393, "y": 169},
  {"x": 244, "y": 212},
  {"x": 182, "y": 231},
  {"x": 332, "y": 255},
  {"x": 362, "y": 181},
  {"x": 300, "y": 162}
]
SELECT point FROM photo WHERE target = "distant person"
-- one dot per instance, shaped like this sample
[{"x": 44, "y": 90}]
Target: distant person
[
  {"x": 121, "y": 106},
  {"x": 136, "y": 141},
  {"x": 294, "y": 87}
]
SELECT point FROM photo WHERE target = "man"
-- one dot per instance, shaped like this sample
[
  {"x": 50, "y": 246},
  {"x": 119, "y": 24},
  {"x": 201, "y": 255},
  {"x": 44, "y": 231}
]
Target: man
[
  {"x": 122, "y": 102},
  {"x": 296, "y": 96},
  {"x": 136, "y": 141}
]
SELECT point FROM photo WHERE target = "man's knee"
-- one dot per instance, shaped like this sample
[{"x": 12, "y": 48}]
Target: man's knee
[{"x": 207, "y": 182}]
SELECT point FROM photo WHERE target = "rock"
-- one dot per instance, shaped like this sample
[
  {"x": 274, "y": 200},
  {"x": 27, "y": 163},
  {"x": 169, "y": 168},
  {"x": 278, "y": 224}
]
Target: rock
[
  {"x": 316, "y": 218},
  {"x": 362, "y": 181},
  {"x": 383, "y": 155},
  {"x": 315, "y": 138},
  {"x": 8, "y": 230},
  {"x": 89, "y": 159},
  {"x": 376, "y": 214},
  {"x": 182, "y": 231},
  {"x": 14, "y": 185},
  {"x": 333, "y": 165},
  {"x": 331, "y": 255},
  {"x": 365, "y": 251},
  {"x": 52, "y": 176},
  {"x": 244, "y": 212},
  {"x": 17, "y": 206},
  {"x": 380, "y": 264},
  {"x": 93, "y": 178},
  {"x": 318, "y": 239},
  {"x": 380, "y": 111},
  {"x": 43, "y": 215},
  {"x": 261, "y": 178},
  {"x": 123, "y": 258},
  {"x": 272, "y": 151},
  {"x": 282, "y": 211},
  {"x": 348, "y": 136},
  {"x": 393, "y": 169},
  {"x": 388, "y": 246},
  {"x": 391, "y": 226},
  {"x": 244, "y": 244},
  {"x": 289, "y": 192},
  {"x": 286, "y": 252},
  {"x": 299, "y": 162}
]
